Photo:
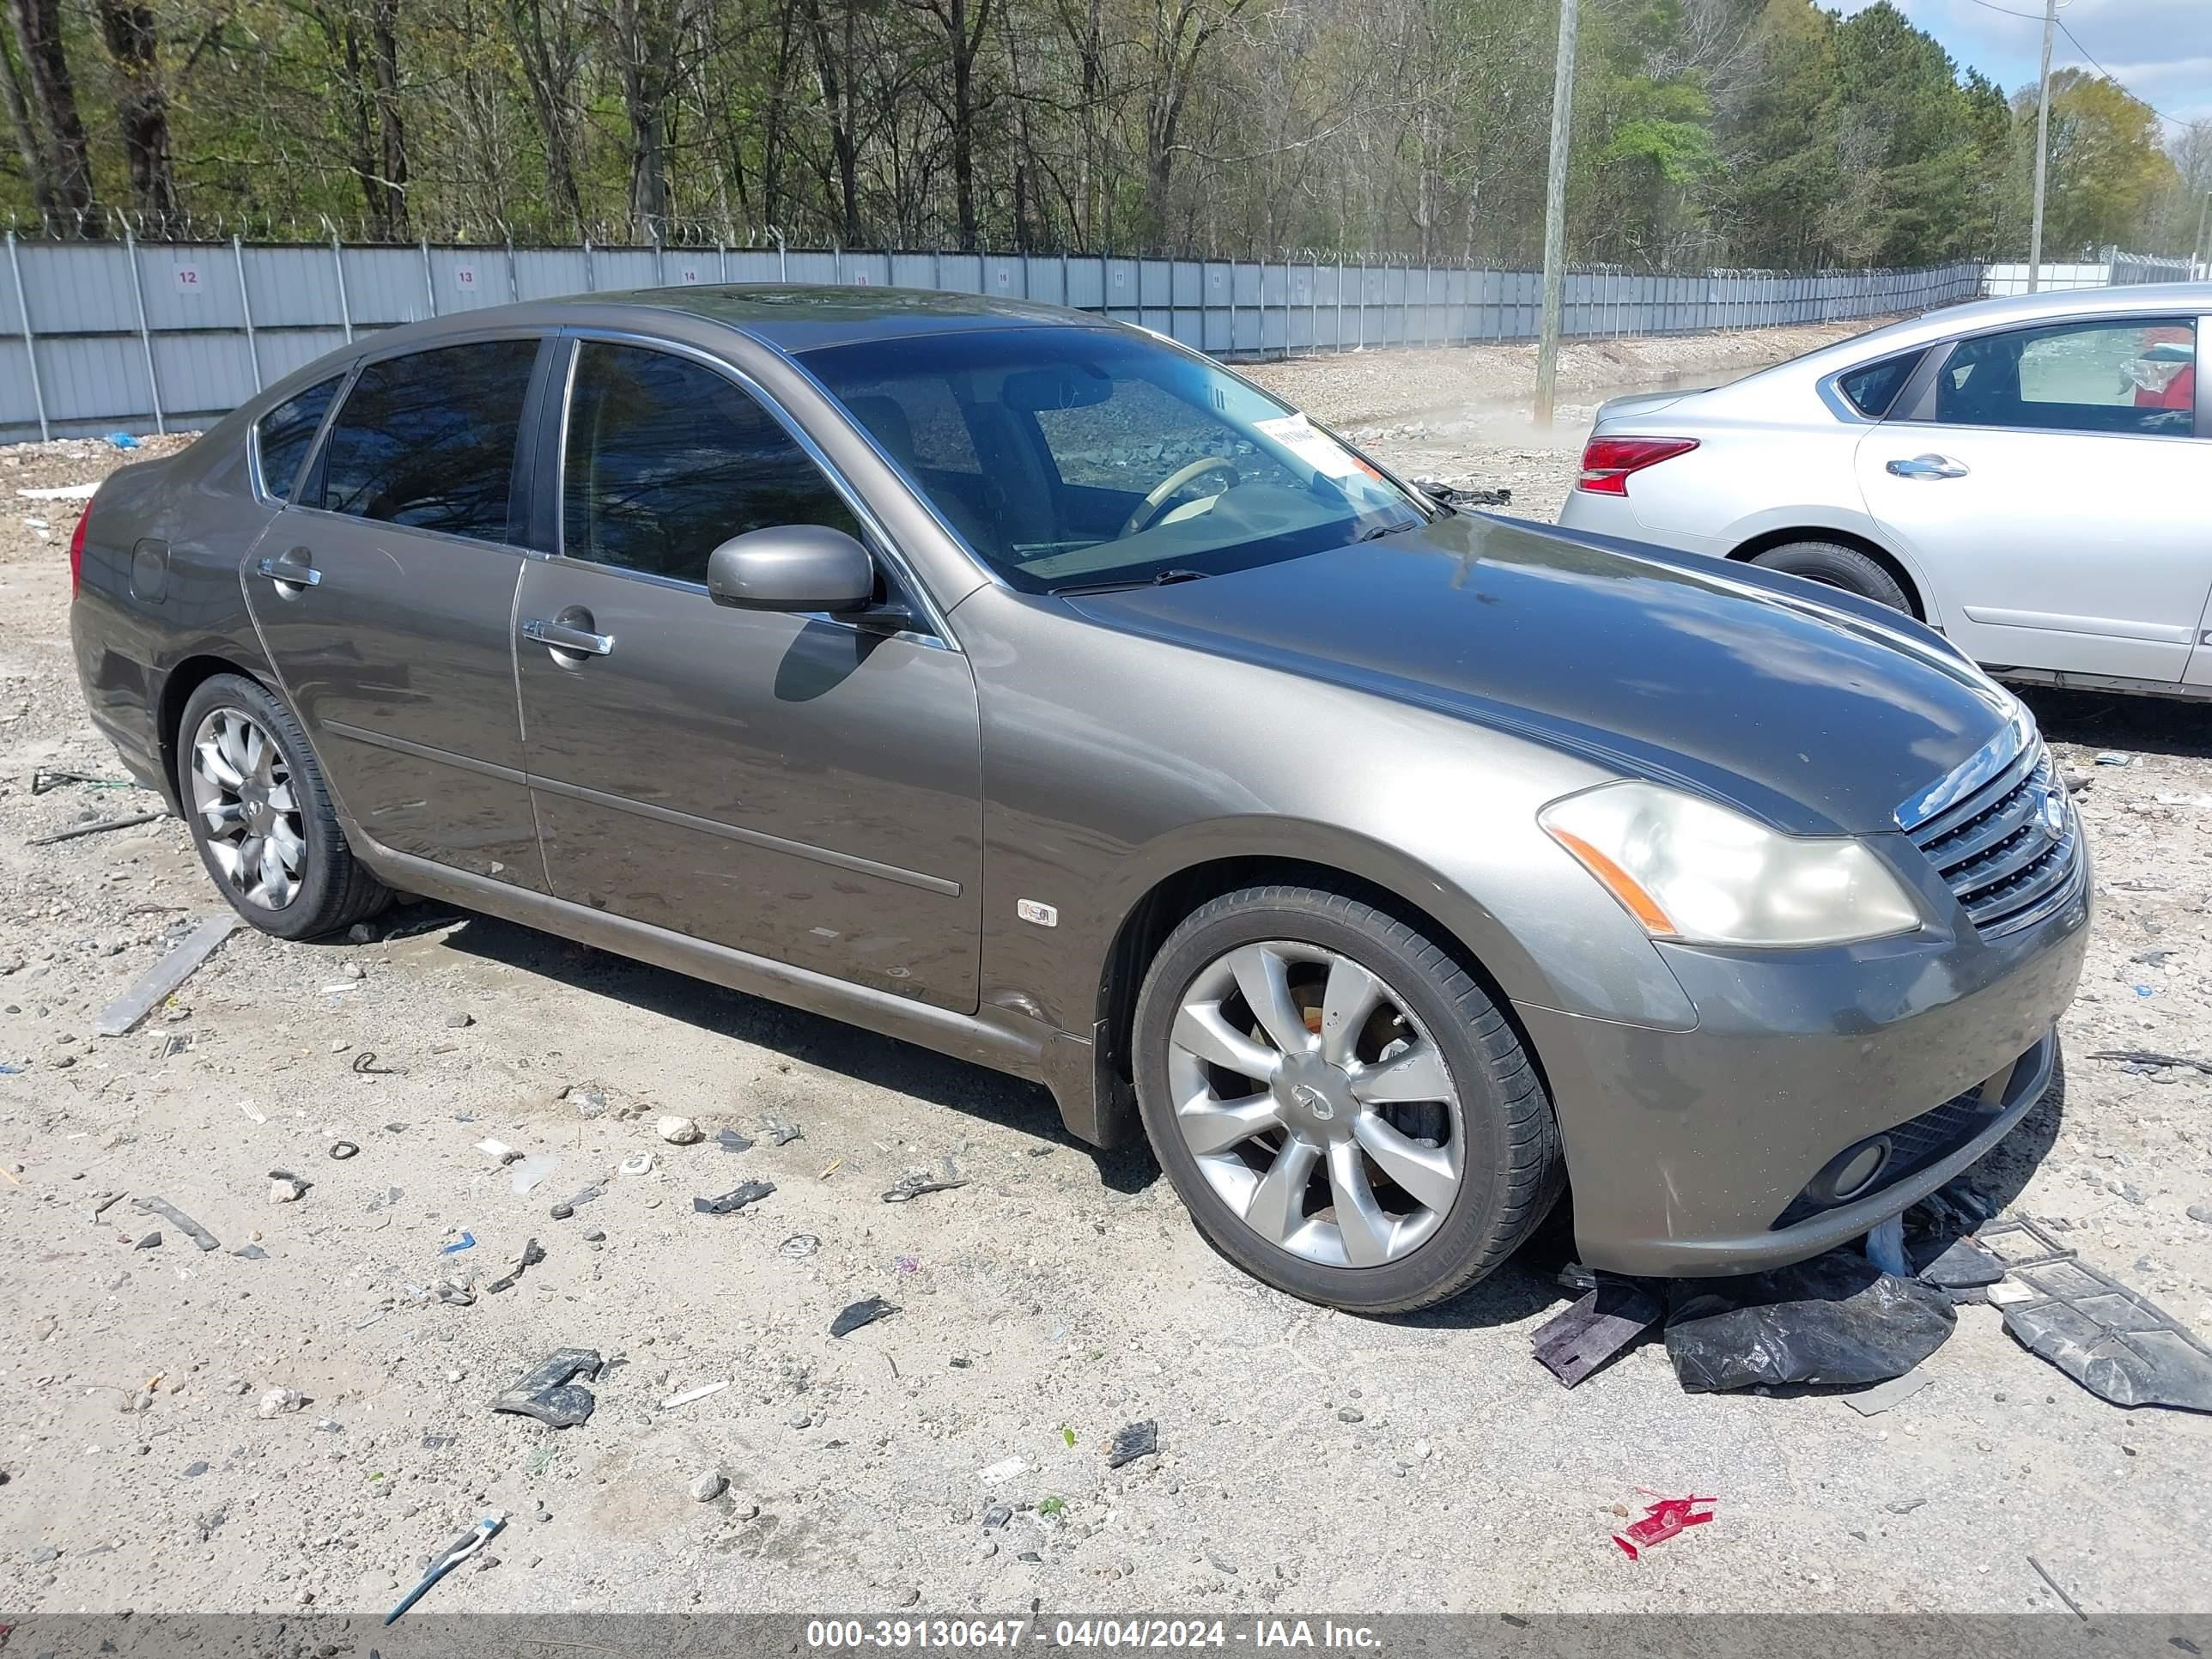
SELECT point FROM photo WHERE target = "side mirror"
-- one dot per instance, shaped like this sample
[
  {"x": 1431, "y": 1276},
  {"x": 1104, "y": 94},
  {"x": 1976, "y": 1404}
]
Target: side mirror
[{"x": 794, "y": 567}]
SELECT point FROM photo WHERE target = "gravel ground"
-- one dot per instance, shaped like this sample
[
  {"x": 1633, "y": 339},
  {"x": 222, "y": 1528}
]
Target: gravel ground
[{"x": 952, "y": 1455}]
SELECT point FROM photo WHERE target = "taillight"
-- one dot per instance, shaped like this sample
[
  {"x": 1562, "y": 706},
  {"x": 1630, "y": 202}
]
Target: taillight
[
  {"x": 76, "y": 549},
  {"x": 1606, "y": 462}
]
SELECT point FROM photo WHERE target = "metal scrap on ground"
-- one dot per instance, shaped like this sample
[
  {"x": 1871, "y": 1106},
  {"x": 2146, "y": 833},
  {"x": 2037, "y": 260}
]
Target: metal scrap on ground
[
  {"x": 2113, "y": 1341},
  {"x": 861, "y": 1313},
  {"x": 914, "y": 1182},
  {"x": 549, "y": 1393},
  {"x": 157, "y": 982},
  {"x": 736, "y": 1199},
  {"x": 168, "y": 1212},
  {"x": 97, "y": 827}
]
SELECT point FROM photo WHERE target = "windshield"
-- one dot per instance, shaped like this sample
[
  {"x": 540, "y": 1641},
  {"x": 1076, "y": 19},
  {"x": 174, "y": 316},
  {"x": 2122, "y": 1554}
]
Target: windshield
[{"x": 1074, "y": 457}]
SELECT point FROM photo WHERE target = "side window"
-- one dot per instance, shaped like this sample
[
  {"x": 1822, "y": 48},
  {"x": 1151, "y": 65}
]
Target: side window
[
  {"x": 667, "y": 459},
  {"x": 282, "y": 436},
  {"x": 2076, "y": 377},
  {"x": 1873, "y": 389},
  {"x": 428, "y": 440}
]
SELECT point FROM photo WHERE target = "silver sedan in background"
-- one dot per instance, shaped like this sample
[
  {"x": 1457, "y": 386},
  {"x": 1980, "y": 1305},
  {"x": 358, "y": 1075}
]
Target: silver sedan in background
[{"x": 2027, "y": 476}]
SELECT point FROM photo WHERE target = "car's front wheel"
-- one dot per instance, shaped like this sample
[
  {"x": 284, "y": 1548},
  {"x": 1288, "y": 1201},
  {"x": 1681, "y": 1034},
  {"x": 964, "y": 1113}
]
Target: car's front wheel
[
  {"x": 261, "y": 815},
  {"x": 1346, "y": 1113}
]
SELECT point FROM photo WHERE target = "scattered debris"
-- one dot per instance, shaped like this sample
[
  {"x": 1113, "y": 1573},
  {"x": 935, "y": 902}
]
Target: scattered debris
[
  {"x": 2072, "y": 1606},
  {"x": 2019, "y": 1243},
  {"x": 1132, "y": 1441},
  {"x": 466, "y": 1241},
  {"x": 168, "y": 1212},
  {"x": 285, "y": 1188},
  {"x": 691, "y": 1394},
  {"x": 499, "y": 1150},
  {"x": 1873, "y": 1402},
  {"x": 778, "y": 1133},
  {"x": 99, "y": 826},
  {"x": 798, "y": 1246},
  {"x": 1836, "y": 1319},
  {"x": 568, "y": 1206},
  {"x": 866, "y": 1312},
  {"x": 2008, "y": 1292},
  {"x": 588, "y": 1103},
  {"x": 1906, "y": 1505},
  {"x": 1885, "y": 1246},
  {"x": 533, "y": 1254},
  {"x": 2112, "y": 1341},
  {"x": 1596, "y": 1328},
  {"x": 468, "y": 1544},
  {"x": 2113, "y": 757},
  {"x": 44, "y": 778},
  {"x": 1448, "y": 495},
  {"x": 736, "y": 1199},
  {"x": 731, "y": 1141},
  {"x": 78, "y": 492},
  {"x": 343, "y": 1150},
  {"x": 679, "y": 1131},
  {"x": 2152, "y": 1061},
  {"x": 1660, "y": 1522},
  {"x": 1960, "y": 1265},
  {"x": 914, "y": 1182},
  {"x": 365, "y": 1065},
  {"x": 527, "y": 1172},
  {"x": 279, "y": 1401},
  {"x": 549, "y": 1393},
  {"x": 1005, "y": 1469},
  {"x": 637, "y": 1164},
  {"x": 709, "y": 1485},
  {"x": 157, "y": 982}
]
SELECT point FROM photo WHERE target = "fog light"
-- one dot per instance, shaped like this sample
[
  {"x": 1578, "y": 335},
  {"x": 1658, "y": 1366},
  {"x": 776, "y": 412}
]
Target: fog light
[{"x": 1849, "y": 1172}]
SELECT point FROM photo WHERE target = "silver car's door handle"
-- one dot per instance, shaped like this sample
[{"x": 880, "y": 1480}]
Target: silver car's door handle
[
  {"x": 1928, "y": 466},
  {"x": 559, "y": 636},
  {"x": 293, "y": 569}
]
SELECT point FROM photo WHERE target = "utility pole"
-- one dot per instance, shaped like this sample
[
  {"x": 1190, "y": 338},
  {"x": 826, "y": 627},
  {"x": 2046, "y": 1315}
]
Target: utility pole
[
  {"x": 2042, "y": 147},
  {"x": 1555, "y": 215}
]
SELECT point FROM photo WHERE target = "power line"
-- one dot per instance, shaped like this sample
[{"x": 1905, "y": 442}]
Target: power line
[{"x": 2113, "y": 78}]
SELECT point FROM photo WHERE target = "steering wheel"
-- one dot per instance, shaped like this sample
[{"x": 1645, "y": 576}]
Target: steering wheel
[{"x": 1162, "y": 492}]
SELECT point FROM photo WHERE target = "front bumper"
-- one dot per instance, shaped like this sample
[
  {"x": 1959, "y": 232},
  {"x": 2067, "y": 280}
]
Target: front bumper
[{"x": 1690, "y": 1153}]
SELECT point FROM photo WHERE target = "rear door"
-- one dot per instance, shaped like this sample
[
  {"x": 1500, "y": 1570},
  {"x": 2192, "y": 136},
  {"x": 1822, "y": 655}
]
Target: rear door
[
  {"x": 383, "y": 593},
  {"x": 2050, "y": 482},
  {"x": 794, "y": 787}
]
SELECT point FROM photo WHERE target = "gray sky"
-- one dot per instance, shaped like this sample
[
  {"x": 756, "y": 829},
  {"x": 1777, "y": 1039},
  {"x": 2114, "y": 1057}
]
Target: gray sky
[{"x": 2160, "y": 50}]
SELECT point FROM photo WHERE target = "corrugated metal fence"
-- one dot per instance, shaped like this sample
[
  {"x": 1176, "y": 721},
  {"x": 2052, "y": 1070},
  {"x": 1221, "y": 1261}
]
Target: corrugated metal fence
[{"x": 148, "y": 336}]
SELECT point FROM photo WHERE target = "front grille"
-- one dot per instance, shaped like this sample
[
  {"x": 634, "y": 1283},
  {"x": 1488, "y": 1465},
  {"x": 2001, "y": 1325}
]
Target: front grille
[{"x": 1998, "y": 849}]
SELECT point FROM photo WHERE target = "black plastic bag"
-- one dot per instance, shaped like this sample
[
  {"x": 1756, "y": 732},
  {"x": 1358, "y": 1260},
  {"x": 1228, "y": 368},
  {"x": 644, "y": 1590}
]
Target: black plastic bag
[{"x": 1836, "y": 1319}]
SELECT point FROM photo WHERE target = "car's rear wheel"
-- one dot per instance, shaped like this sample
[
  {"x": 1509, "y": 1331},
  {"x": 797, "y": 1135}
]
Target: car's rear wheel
[
  {"x": 1834, "y": 565},
  {"x": 261, "y": 815},
  {"x": 1346, "y": 1113}
]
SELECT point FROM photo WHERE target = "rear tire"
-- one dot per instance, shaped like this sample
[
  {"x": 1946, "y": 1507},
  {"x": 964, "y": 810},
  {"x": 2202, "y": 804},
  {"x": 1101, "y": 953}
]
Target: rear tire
[
  {"x": 1474, "y": 1138},
  {"x": 261, "y": 816},
  {"x": 1832, "y": 564}
]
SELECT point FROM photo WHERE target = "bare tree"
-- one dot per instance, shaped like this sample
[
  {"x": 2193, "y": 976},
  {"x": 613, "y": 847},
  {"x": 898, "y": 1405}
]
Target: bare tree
[{"x": 36, "y": 26}]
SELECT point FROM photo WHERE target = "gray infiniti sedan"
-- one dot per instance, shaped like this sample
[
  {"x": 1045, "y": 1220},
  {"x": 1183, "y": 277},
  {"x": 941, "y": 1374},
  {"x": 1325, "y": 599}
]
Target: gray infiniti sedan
[{"x": 1028, "y": 687}]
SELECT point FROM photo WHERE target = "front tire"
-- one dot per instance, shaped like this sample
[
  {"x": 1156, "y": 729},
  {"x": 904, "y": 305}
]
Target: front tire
[
  {"x": 1346, "y": 1113},
  {"x": 261, "y": 816}
]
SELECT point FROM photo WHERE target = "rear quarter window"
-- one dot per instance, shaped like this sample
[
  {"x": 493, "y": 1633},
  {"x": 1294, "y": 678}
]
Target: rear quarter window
[
  {"x": 1872, "y": 390},
  {"x": 282, "y": 436}
]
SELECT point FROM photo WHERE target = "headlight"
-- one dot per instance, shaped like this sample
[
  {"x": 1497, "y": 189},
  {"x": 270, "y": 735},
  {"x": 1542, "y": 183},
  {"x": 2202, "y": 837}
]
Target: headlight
[{"x": 1689, "y": 869}]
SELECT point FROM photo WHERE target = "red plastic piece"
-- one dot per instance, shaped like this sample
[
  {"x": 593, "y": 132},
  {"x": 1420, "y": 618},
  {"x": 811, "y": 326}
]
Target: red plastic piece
[{"x": 1660, "y": 1522}]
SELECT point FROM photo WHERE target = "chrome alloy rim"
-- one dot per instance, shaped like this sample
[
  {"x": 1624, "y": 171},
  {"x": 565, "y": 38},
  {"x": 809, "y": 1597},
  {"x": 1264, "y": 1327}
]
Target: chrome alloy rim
[
  {"x": 242, "y": 793},
  {"x": 1316, "y": 1104}
]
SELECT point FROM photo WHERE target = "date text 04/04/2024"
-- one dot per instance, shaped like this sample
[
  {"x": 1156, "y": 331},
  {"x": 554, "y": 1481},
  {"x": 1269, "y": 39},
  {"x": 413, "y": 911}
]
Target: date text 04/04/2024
[{"x": 832, "y": 1634}]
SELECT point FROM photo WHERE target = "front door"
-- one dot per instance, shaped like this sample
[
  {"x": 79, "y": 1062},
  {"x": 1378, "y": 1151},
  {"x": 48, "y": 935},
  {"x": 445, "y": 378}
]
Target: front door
[
  {"x": 2049, "y": 483},
  {"x": 385, "y": 594},
  {"x": 790, "y": 786}
]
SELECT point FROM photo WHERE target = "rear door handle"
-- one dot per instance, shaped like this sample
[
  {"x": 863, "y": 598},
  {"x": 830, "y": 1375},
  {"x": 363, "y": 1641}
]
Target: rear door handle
[
  {"x": 560, "y": 637},
  {"x": 293, "y": 569},
  {"x": 1928, "y": 466}
]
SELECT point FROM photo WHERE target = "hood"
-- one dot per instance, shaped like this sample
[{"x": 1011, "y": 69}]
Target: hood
[{"x": 1754, "y": 693}]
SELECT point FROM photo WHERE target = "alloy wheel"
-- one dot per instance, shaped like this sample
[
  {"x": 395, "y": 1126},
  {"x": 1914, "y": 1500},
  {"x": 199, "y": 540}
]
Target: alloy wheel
[
  {"x": 1315, "y": 1104},
  {"x": 243, "y": 796}
]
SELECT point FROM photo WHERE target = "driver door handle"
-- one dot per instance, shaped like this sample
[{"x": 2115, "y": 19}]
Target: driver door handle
[
  {"x": 560, "y": 637},
  {"x": 1928, "y": 466}
]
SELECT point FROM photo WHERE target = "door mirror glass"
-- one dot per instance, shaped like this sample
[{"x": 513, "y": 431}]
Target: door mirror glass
[{"x": 799, "y": 566}]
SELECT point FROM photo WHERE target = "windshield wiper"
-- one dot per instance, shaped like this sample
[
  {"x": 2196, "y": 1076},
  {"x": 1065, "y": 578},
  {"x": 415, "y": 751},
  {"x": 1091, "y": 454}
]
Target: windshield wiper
[
  {"x": 1382, "y": 530},
  {"x": 1163, "y": 578}
]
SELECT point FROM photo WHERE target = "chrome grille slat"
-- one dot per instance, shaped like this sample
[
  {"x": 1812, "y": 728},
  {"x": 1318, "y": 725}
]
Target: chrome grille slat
[{"x": 1992, "y": 850}]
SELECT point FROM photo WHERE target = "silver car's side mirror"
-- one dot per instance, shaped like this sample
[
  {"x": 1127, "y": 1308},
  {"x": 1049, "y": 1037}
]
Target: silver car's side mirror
[{"x": 796, "y": 566}]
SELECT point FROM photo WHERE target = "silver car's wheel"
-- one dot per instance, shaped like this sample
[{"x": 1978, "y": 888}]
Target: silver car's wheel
[
  {"x": 1315, "y": 1104},
  {"x": 243, "y": 795}
]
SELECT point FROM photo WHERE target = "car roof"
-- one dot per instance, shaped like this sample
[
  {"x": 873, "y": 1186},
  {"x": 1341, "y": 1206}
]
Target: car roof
[{"x": 798, "y": 317}]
